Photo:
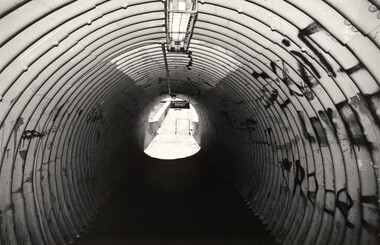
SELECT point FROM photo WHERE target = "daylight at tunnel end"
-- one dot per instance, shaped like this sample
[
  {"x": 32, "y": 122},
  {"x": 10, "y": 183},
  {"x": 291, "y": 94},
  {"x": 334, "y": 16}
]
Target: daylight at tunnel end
[{"x": 287, "y": 93}]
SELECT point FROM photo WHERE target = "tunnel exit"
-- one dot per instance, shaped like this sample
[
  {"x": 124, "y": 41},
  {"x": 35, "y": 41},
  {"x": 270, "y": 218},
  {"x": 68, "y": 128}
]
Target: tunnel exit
[{"x": 173, "y": 122}]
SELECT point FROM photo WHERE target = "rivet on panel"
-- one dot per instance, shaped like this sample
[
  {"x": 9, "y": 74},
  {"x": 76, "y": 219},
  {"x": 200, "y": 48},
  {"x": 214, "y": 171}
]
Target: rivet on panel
[
  {"x": 89, "y": 22},
  {"x": 124, "y": 6},
  {"x": 25, "y": 68},
  {"x": 202, "y": 1},
  {"x": 347, "y": 23},
  {"x": 240, "y": 9},
  {"x": 354, "y": 29},
  {"x": 55, "y": 43},
  {"x": 372, "y": 8}
]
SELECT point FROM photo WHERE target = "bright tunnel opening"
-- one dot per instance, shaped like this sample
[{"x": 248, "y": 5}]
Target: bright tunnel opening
[{"x": 173, "y": 122}]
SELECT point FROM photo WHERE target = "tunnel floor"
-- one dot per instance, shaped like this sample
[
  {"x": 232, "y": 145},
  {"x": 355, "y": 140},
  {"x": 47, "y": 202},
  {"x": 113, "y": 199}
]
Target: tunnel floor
[{"x": 175, "y": 202}]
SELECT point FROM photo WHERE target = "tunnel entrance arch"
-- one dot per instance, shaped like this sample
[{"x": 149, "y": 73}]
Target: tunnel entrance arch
[{"x": 173, "y": 122}]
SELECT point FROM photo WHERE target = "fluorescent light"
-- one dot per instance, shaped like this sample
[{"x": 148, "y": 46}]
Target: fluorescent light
[{"x": 179, "y": 23}]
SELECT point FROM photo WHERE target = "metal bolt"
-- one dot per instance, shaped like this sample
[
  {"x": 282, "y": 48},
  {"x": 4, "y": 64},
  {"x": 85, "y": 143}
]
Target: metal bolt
[{"x": 372, "y": 8}]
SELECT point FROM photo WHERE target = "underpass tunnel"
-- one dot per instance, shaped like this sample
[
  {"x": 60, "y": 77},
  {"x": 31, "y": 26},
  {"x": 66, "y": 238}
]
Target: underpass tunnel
[{"x": 287, "y": 93}]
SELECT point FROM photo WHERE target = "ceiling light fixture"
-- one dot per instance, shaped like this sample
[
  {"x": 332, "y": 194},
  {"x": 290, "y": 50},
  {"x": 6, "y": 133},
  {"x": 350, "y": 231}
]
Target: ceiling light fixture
[{"x": 180, "y": 18}]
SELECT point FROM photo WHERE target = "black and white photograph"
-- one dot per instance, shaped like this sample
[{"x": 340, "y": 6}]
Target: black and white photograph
[{"x": 189, "y": 122}]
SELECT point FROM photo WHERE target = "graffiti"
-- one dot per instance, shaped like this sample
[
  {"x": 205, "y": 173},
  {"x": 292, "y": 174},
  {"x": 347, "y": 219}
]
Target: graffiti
[
  {"x": 344, "y": 207},
  {"x": 18, "y": 190},
  {"x": 23, "y": 154},
  {"x": 286, "y": 164},
  {"x": 327, "y": 117},
  {"x": 304, "y": 130},
  {"x": 285, "y": 103},
  {"x": 273, "y": 65},
  {"x": 354, "y": 128},
  {"x": 307, "y": 84},
  {"x": 309, "y": 95},
  {"x": 354, "y": 69},
  {"x": 19, "y": 122},
  {"x": 306, "y": 61},
  {"x": 284, "y": 75},
  {"x": 312, "y": 194},
  {"x": 272, "y": 99},
  {"x": 286, "y": 42},
  {"x": 373, "y": 102},
  {"x": 369, "y": 227},
  {"x": 30, "y": 134},
  {"x": 292, "y": 92},
  {"x": 305, "y": 76},
  {"x": 28, "y": 179},
  {"x": 80, "y": 113},
  {"x": 262, "y": 75},
  {"x": 9, "y": 207},
  {"x": 307, "y": 31},
  {"x": 299, "y": 175},
  {"x": 310, "y": 29},
  {"x": 369, "y": 199},
  {"x": 321, "y": 136},
  {"x": 287, "y": 81}
]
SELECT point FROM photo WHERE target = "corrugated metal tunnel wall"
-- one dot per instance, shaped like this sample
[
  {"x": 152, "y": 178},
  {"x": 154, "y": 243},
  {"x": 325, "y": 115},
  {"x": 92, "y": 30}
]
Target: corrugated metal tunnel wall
[{"x": 290, "y": 88}]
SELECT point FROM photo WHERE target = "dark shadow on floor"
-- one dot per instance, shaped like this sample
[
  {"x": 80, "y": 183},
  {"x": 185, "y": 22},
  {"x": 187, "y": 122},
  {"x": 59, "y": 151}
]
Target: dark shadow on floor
[{"x": 176, "y": 202}]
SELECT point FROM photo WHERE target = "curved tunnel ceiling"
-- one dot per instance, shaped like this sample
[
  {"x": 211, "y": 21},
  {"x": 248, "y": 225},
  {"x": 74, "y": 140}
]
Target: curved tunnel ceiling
[{"x": 291, "y": 88}]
